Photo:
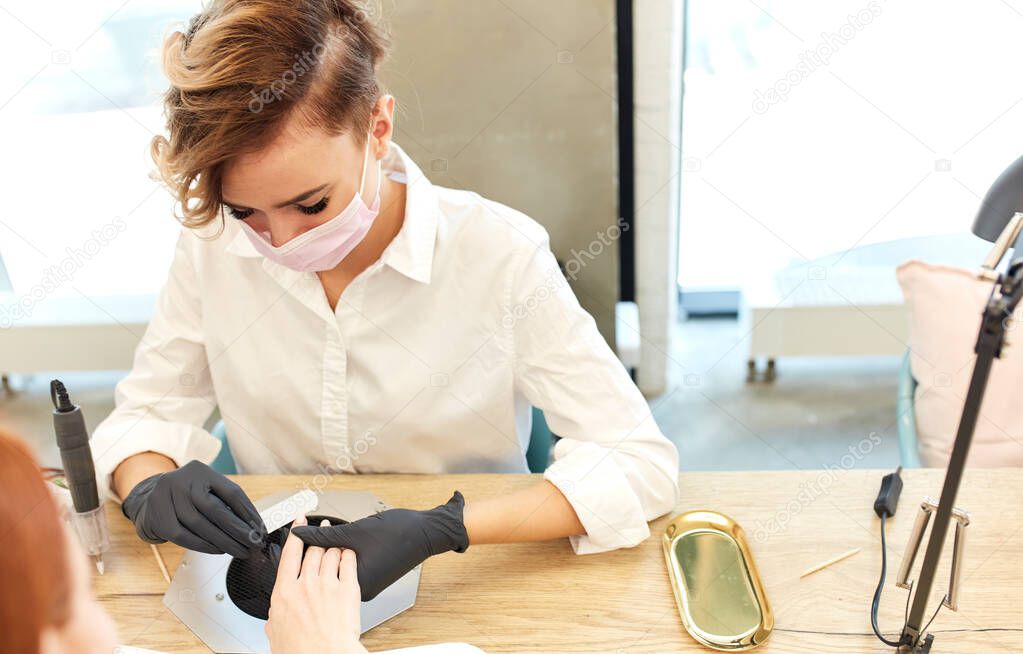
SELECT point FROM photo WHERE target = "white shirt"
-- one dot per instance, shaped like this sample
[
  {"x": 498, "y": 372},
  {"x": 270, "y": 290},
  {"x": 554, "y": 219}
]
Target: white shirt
[{"x": 429, "y": 364}]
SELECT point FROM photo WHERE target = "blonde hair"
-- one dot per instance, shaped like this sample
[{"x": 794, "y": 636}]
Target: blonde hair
[{"x": 242, "y": 68}]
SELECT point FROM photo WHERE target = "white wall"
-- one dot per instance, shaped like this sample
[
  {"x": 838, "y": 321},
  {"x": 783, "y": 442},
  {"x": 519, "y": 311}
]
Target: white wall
[
  {"x": 515, "y": 99},
  {"x": 658, "y": 103}
]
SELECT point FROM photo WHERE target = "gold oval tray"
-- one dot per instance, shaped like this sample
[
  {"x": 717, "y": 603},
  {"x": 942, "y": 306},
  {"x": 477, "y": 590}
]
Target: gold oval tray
[{"x": 717, "y": 587}]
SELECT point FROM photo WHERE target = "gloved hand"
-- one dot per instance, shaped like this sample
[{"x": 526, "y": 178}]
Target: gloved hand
[
  {"x": 196, "y": 508},
  {"x": 392, "y": 542}
]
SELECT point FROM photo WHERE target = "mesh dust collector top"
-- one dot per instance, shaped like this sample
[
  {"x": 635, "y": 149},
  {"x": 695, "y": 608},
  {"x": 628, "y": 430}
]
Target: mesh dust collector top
[{"x": 250, "y": 581}]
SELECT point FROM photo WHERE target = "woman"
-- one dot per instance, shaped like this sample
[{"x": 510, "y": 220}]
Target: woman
[
  {"x": 49, "y": 607},
  {"x": 348, "y": 316}
]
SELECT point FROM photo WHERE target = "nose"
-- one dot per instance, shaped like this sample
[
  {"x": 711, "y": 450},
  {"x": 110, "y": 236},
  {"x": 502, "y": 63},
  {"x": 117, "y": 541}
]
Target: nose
[{"x": 283, "y": 229}]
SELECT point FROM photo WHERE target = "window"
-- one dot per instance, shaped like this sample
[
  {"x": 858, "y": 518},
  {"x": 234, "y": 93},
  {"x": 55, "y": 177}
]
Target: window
[
  {"x": 812, "y": 128},
  {"x": 79, "y": 103}
]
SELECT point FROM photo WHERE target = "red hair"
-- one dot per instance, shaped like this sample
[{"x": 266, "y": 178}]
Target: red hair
[{"x": 36, "y": 592}]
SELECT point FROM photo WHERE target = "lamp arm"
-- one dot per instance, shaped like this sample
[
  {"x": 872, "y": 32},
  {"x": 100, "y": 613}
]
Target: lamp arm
[
  {"x": 1005, "y": 241},
  {"x": 1004, "y": 299}
]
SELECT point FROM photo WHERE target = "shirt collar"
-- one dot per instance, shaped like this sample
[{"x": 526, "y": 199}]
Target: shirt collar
[{"x": 411, "y": 251}]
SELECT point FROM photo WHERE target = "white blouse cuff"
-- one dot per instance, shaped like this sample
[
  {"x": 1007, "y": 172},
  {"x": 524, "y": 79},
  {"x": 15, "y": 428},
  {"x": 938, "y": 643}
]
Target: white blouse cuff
[
  {"x": 588, "y": 476},
  {"x": 114, "y": 442}
]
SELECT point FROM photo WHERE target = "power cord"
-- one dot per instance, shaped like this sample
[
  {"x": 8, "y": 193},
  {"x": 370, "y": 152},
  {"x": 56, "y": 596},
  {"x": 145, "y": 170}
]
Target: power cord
[
  {"x": 880, "y": 587},
  {"x": 884, "y": 506}
]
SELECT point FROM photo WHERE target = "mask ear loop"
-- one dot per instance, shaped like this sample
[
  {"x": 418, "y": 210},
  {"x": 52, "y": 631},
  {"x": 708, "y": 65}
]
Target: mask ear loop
[
  {"x": 365, "y": 162},
  {"x": 365, "y": 165}
]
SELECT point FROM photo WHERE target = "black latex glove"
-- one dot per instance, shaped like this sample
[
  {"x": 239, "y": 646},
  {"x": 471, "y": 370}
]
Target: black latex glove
[
  {"x": 391, "y": 543},
  {"x": 198, "y": 509}
]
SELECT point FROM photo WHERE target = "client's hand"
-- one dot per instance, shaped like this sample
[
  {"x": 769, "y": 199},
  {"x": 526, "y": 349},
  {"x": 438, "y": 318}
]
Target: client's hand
[
  {"x": 391, "y": 543},
  {"x": 315, "y": 602},
  {"x": 196, "y": 508}
]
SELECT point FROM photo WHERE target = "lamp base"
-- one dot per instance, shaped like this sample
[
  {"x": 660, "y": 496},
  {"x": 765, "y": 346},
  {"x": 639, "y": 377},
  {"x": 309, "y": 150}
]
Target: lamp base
[{"x": 921, "y": 648}]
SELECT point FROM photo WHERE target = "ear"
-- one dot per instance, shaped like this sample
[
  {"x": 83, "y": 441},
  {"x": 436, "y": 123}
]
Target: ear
[{"x": 383, "y": 124}]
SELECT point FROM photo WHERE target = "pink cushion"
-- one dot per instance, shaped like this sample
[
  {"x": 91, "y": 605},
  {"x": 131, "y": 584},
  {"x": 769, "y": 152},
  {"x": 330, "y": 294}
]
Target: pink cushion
[{"x": 945, "y": 306}]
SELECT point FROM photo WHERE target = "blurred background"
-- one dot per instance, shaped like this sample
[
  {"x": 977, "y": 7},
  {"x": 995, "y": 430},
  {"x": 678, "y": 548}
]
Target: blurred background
[{"x": 733, "y": 184}]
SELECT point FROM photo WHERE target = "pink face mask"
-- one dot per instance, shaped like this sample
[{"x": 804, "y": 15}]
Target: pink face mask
[{"x": 324, "y": 246}]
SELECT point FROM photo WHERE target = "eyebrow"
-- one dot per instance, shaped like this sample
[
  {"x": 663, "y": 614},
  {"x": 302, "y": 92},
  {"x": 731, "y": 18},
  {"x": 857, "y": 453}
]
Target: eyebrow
[{"x": 295, "y": 200}]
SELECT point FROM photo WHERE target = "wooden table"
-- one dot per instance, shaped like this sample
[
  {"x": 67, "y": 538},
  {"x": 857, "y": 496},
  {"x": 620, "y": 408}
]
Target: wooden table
[{"x": 541, "y": 597}]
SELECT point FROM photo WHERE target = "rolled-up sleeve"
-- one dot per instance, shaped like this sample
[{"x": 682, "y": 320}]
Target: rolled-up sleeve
[
  {"x": 168, "y": 395},
  {"x": 613, "y": 464}
]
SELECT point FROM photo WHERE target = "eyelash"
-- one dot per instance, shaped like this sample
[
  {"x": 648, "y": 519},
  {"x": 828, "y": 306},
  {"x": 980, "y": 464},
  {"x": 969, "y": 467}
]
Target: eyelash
[
  {"x": 242, "y": 214},
  {"x": 316, "y": 208}
]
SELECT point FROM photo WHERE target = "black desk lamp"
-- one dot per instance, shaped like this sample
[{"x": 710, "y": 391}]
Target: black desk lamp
[{"x": 999, "y": 220}]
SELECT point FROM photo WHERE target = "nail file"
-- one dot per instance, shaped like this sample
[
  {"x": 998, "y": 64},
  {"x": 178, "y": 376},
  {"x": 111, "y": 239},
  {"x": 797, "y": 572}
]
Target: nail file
[{"x": 285, "y": 511}]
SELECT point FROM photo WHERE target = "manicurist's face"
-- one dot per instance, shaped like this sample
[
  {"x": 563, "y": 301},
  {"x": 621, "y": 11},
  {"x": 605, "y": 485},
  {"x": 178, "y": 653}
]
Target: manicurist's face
[{"x": 303, "y": 178}]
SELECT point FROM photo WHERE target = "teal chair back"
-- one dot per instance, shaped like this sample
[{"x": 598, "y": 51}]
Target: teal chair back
[
  {"x": 905, "y": 409},
  {"x": 224, "y": 463},
  {"x": 538, "y": 455}
]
